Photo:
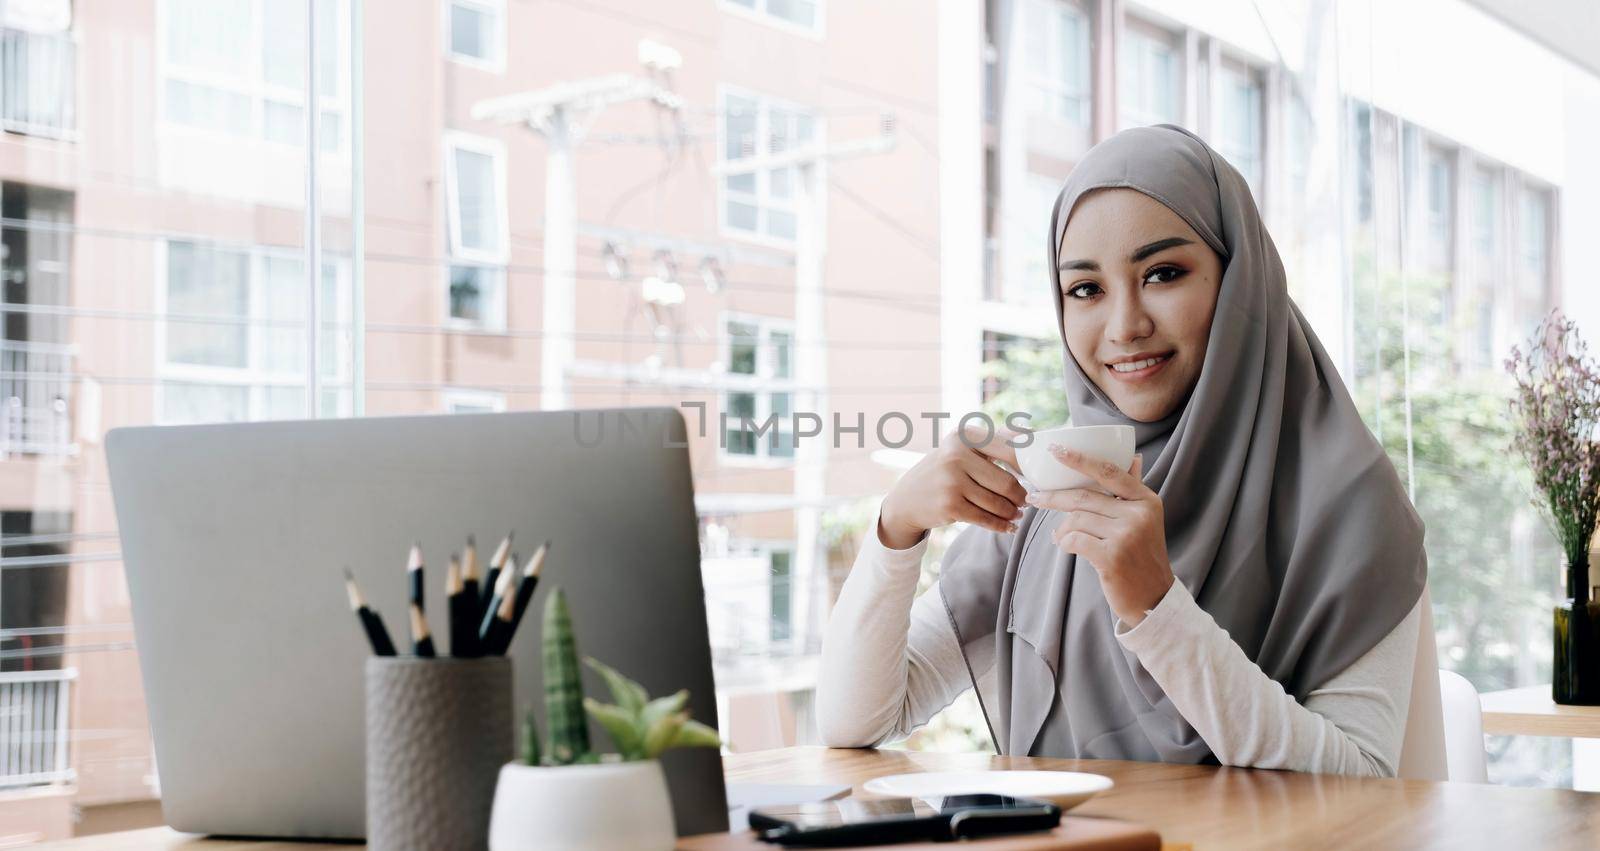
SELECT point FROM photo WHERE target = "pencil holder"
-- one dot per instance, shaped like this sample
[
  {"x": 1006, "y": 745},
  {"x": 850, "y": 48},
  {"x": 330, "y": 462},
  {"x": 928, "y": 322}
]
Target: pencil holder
[{"x": 438, "y": 731}]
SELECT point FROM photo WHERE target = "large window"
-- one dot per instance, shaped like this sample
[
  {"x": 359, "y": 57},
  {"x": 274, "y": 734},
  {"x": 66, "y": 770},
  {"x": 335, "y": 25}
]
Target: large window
[
  {"x": 1239, "y": 128},
  {"x": 760, "y": 364},
  {"x": 475, "y": 178},
  {"x": 1033, "y": 290},
  {"x": 1056, "y": 56},
  {"x": 1152, "y": 77},
  {"x": 238, "y": 68},
  {"x": 234, "y": 343},
  {"x": 761, "y": 202},
  {"x": 1533, "y": 257},
  {"x": 1441, "y": 200}
]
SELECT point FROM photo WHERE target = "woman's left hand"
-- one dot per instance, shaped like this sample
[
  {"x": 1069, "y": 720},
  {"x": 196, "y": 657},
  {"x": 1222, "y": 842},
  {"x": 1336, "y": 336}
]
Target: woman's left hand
[{"x": 1124, "y": 535}]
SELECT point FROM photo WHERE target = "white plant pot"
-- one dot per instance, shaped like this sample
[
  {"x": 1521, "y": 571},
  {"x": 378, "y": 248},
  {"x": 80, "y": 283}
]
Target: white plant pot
[{"x": 618, "y": 806}]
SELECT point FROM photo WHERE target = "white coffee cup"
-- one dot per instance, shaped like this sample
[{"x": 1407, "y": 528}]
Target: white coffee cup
[{"x": 1114, "y": 443}]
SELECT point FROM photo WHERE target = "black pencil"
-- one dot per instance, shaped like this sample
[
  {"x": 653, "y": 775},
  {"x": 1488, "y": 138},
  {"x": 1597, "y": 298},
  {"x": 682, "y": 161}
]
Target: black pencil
[
  {"x": 525, "y": 587},
  {"x": 469, "y": 581},
  {"x": 421, "y": 639},
  {"x": 377, "y": 636},
  {"x": 415, "y": 570},
  {"x": 491, "y": 577},
  {"x": 496, "y": 627},
  {"x": 462, "y": 624}
]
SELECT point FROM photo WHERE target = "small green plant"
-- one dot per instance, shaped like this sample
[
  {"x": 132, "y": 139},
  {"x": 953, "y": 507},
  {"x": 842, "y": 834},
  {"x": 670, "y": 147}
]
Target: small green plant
[
  {"x": 563, "y": 690},
  {"x": 641, "y": 728}
]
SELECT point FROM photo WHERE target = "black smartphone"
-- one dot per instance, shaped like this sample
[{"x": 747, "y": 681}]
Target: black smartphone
[{"x": 874, "y": 822}]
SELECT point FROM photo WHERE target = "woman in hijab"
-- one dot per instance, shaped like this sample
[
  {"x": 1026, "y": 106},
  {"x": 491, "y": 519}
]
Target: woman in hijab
[{"x": 1247, "y": 593}]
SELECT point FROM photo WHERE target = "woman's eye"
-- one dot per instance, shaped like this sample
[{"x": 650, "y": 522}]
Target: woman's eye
[
  {"x": 1072, "y": 292},
  {"x": 1166, "y": 273}
]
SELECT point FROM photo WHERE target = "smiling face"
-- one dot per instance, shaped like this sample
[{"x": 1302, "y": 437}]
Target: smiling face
[{"x": 1137, "y": 283}]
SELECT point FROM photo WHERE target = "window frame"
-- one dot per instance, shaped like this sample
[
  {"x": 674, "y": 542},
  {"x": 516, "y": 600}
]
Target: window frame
[
  {"x": 1229, "y": 73},
  {"x": 254, "y": 86},
  {"x": 1043, "y": 82},
  {"x": 759, "y": 14},
  {"x": 763, "y": 384},
  {"x": 1146, "y": 31},
  {"x": 1031, "y": 257},
  {"x": 253, "y": 376},
  {"x": 496, "y": 261},
  {"x": 762, "y": 198},
  {"x": 496, "y": 62},
  {"x": 495, "y": 402}
]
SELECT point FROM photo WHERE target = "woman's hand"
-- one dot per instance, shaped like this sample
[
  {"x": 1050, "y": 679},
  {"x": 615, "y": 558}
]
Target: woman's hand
[
  {"x": 954, "y": 482},
  {"x": 1123, "y": 535}
]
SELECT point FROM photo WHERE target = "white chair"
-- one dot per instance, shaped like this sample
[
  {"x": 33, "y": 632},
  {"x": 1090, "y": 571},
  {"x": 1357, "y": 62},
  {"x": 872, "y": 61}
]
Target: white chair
[
  {"x": 1463, "y": 729},
  {"x": 1444, "y": 724}
]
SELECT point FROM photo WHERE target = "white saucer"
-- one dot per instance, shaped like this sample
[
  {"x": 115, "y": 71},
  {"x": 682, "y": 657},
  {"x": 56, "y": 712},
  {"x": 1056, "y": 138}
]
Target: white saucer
[{"x": 1065, "y": 789}]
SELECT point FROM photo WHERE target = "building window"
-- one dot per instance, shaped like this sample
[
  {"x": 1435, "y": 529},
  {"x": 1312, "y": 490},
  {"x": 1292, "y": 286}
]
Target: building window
[
  {"x": 1239, "y": 132},
  {"x": 1441, "y": 207},
  {"x": 473, "y": 402},
  {"x": 238, "y": 67},
  {"x": 759, "y": 354},
  {"x": 234, "y": 344},
  {"x": 781, "y": 581},
  {"x": 475, "y": 32},
  {"x": 761, "y": 202},
  {"x": 1151, "y": 77},
  {"x": 1033, "y": 290},
  {"x": 1485, "y": 215},
  {"x": 1056, "y": 50},
  {"x": 1361, "y": 143},
  {"x": 1533, "y": 266},
  {"x": 806, "y": 14},
  {"x": 475, "y": 200}
]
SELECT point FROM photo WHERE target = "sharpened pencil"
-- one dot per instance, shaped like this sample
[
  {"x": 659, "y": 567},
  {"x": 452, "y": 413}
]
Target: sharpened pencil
[
  {"x": 421, "y": 639},
  {"x": 496, "y": 626},
  {"x": 491, "y": 578},
  {"x": 469, "y": 579},
  {"x": 463, "y": 624},
  {"x": 415, "y": 570},
  {"x": 377, "y": 635},
  {"x": 526, "y": 586}
]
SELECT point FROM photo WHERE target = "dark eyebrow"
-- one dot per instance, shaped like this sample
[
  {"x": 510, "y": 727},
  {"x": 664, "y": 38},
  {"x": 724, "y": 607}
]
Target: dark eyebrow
[
  {"x": 1139, "y": 254},
  {"x": 1157, "y": 247}
]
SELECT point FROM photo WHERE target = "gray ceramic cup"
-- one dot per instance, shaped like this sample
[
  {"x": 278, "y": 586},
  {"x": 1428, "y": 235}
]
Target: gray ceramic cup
[{"x": 438, "y": 731}]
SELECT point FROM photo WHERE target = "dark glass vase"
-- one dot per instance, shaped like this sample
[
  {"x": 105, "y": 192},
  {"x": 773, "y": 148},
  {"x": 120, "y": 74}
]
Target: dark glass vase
[{"x": 1575, "y": 678}]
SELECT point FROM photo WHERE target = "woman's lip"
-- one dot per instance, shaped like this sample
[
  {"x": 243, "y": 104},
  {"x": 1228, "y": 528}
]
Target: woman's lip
[{"x": 1141, "y": 374}]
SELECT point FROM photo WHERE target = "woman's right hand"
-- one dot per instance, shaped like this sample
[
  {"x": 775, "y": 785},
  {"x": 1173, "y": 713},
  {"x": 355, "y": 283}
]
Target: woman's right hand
[{"x": 955, "y": 482}]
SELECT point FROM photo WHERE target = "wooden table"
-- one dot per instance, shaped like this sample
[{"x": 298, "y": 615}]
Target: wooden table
[
  {"x": 1530, "y": 712},
  {"x": 1191, "y": 806}
]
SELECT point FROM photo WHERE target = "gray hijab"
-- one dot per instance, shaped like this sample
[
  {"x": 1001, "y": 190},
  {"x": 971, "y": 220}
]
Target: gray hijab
[{"x": 1284, "y": 518}]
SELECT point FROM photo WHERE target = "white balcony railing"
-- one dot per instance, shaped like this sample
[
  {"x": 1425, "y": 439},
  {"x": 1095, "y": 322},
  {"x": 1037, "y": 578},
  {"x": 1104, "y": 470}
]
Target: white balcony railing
[
  {"x": 34, "y": 718},
  {"x": 38, "y": 83},
  {"x": 35, "y": 399}
]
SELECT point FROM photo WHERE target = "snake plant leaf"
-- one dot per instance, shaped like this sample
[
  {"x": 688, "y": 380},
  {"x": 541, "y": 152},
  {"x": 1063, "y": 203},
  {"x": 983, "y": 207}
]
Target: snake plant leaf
[
  {"x": 629, "y": 695},
  {"x": 661, "y": 707},
  {"x": 563, "y": 689},
  {"x": 662, "y": 733},
  {"x": 623, "y": 728},
  {"x": 694, "y": 734}
]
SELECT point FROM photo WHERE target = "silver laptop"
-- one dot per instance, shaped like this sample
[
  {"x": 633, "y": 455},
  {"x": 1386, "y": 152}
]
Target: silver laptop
[{"x": 234, "y": 538}]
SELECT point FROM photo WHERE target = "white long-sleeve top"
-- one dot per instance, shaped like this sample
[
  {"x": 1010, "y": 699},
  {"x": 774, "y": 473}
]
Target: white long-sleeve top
[{"x": 889, "y": 664}]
